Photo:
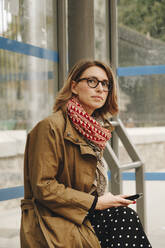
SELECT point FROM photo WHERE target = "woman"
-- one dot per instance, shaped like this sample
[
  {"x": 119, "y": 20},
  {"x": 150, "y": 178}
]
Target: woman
[{"x": 65, "y": 203}]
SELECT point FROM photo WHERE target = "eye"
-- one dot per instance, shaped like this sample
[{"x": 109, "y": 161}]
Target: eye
[
  {"x": 92, "y": 80},
  {"x": 105, "y": 84}
]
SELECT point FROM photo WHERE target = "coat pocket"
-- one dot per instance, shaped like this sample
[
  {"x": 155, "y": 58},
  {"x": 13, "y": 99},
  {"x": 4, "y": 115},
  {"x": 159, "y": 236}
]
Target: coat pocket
[
  {"x": 63, "y": 232},
  {"x": 30, "y": 233}
]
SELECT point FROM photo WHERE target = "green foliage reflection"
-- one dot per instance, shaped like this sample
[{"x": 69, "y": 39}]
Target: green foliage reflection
[{"x": 145, "y": 16}]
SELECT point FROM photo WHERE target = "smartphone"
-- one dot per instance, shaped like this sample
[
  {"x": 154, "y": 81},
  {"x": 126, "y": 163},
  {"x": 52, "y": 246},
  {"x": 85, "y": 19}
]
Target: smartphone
[{"x": 134, "y": 197}]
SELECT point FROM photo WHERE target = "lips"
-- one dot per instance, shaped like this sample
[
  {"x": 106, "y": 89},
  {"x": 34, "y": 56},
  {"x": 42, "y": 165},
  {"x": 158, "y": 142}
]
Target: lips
[{"x": 98, "y": 97}]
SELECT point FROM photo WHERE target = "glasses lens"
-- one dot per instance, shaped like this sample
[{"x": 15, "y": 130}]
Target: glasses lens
[
  {"x": 105, "y": 85},
  {"x": 92, "y": 82}
]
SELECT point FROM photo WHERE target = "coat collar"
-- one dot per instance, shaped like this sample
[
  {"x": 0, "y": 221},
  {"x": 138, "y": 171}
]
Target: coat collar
[{"x": 73, "y": 136}]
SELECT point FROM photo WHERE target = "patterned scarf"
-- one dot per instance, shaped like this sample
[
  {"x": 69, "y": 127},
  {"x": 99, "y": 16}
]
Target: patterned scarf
[{"x": 86, "y": 124}]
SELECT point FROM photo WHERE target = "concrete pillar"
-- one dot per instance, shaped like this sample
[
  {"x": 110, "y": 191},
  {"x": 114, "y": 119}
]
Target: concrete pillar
[{"x": 80, "y": 30}]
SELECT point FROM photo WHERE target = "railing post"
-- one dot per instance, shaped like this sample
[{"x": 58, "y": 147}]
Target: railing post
[
  {"x": 62, "y": 40},
  {"x": 113, "y": 54}
]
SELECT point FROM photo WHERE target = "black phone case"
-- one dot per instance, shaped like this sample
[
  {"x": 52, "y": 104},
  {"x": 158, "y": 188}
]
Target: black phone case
[{"x": 133, "y": 197}]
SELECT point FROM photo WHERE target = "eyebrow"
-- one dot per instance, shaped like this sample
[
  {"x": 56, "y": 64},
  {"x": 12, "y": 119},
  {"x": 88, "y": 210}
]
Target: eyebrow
[{"x": 97, "y": 78}]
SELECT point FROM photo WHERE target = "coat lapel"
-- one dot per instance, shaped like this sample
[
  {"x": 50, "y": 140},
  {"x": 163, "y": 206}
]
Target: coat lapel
[{"x": 73, "y": 136}]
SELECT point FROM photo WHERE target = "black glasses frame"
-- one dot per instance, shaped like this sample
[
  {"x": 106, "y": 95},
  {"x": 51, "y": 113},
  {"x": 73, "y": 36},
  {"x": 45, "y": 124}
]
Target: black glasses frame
[{"x": 109, "y": 85}]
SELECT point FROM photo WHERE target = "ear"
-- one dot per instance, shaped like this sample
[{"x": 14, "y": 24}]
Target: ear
[{"x": 74, "y": 87}]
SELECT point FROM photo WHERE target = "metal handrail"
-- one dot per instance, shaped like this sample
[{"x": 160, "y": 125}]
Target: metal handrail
[{"x": 116, "y": 169}]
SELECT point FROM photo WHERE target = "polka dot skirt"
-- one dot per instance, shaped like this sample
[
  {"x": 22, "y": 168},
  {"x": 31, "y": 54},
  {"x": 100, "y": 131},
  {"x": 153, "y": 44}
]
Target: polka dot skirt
[{"x": 118, "y": 227}]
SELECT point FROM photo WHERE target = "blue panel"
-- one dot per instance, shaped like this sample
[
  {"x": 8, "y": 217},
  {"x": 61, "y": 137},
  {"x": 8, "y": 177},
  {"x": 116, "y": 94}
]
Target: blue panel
[
  {"x": 155, "y": 176},
  {"x": 11, "y": 193},
  {"x": 148, "y": 176},
  {"x": 27, "y": 49},
  {"x": 140, "y": 70},
  {"x": 18, "y": 192},
  {"x": 26, "y": 76}
]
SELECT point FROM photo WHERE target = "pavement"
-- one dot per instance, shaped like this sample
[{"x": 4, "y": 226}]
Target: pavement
[
  {"x": 155, "y": 216},
  {"x": 155, "y": 210},
  {"x": 9, "y": 228}
]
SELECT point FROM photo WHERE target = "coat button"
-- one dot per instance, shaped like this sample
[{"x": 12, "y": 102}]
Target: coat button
[
  {"x": 68, "y": 134},
  {"x": 77, "y": 140}
]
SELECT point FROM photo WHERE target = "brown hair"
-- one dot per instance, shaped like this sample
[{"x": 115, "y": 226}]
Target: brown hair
[{"x": 110, "y": 106}]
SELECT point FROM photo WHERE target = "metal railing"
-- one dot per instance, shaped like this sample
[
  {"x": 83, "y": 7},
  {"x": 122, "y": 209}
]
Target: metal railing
[{"x": 116, "y": 168}]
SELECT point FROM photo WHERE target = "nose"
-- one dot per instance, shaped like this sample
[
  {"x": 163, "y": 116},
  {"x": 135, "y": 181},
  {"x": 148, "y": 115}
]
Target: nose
[{"x": 99, "y": 87}]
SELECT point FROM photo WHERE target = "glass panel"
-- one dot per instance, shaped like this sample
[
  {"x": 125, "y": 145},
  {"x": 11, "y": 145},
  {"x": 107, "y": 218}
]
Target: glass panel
[
  {"x": 28, "y": 21},
  {"x": 141, "y": 31},
  {"x": 27, "y": 84},
  {"x": 142, "y": 100},
  {"x": 100, "y": 29},
  {"x": 141, "y": 41},
  {"x": 25, "y": 95},
  {"x": 28, "y": 81}
]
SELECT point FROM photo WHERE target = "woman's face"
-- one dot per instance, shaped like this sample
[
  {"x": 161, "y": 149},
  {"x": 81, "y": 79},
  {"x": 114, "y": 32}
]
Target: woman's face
[{"x": 91, "y": 98}]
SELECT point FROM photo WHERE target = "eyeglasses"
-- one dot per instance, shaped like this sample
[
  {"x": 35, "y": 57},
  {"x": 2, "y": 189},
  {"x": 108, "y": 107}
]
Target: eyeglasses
[{"x": 94, "y": 82}]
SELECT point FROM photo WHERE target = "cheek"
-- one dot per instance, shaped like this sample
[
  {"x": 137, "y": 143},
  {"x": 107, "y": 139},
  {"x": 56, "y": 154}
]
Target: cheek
[
  {"x": 84, "y": 91},
  {"x": 106, "y": 96}
]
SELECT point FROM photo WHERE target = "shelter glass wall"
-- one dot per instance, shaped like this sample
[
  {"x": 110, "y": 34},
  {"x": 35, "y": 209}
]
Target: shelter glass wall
[
  {"x": 28, "y": 62},
  {"x": 141, "y": 79},
  {"x": 141, "y": 42},
  {"x": 100, "y": 20}
]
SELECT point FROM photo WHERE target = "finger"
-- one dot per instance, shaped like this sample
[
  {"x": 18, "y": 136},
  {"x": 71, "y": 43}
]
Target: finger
[
  {"x": 127, "y": 202},
  {"x": 123, "y": 200},
  {"x": 124, "y": 196}
]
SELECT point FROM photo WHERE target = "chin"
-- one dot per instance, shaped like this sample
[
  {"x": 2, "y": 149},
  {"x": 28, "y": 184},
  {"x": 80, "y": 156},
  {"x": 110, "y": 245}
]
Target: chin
[{"x": 98, "y": 106}]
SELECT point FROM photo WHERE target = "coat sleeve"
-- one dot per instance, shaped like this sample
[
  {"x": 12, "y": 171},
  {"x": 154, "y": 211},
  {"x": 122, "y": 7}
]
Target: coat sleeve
[{"x": 45, "y": 156}]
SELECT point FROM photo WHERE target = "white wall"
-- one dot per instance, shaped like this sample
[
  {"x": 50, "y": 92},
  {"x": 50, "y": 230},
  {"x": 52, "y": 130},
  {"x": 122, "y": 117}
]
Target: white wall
[{"x": 150, "y": 145}]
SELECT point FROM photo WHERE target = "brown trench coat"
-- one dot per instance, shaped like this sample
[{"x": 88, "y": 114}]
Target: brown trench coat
[{"x": 59, "y": 170}]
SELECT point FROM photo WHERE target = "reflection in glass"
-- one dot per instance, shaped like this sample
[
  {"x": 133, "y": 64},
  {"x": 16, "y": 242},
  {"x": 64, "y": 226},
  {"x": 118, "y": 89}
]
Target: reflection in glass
[
  {"x": 141, "y": 41},
  {"x": 142, "y": 100},
  {"x": 141, "y": 32},
  {"x": 27, "y": 84},
  {"x": 100, "y": 29}
]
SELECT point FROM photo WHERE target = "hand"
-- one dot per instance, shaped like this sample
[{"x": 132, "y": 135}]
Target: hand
[{"x": 109, "y": 200}]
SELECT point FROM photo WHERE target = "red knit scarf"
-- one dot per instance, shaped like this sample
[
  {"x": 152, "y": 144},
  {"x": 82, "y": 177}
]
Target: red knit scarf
[{"x": 86, "y": 124}]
